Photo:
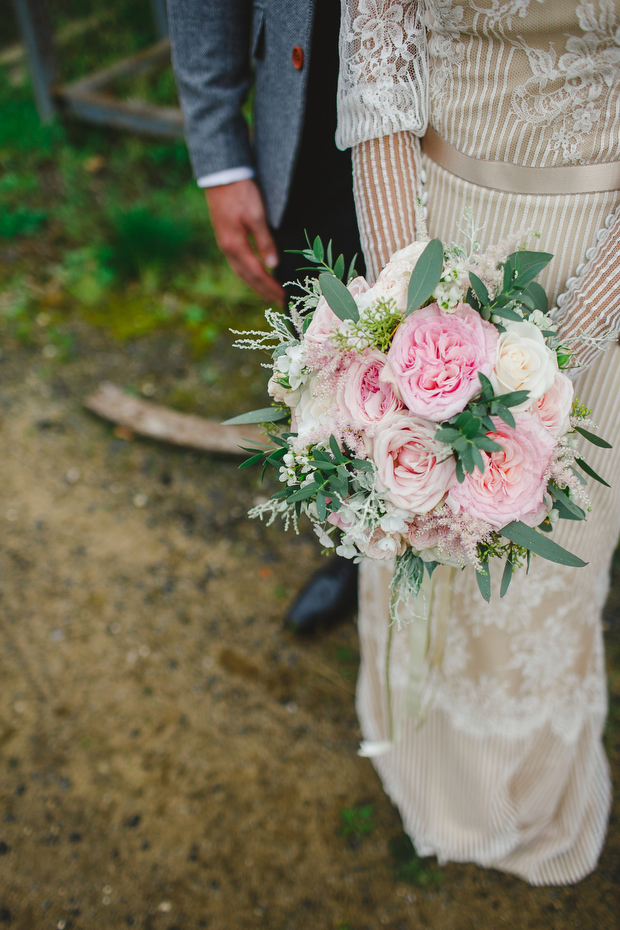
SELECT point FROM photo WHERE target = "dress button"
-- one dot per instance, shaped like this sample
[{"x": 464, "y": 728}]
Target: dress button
[{"x": 298, "y": 57}]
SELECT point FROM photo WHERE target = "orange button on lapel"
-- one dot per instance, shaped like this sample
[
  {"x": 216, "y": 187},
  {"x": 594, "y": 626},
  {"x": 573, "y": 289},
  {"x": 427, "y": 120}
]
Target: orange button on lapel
[{"x": 298, "y": 57}]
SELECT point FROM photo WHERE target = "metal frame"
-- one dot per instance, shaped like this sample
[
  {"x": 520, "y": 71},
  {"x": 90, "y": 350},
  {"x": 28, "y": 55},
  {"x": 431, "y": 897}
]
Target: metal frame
[{"x": 88, "y": 98}]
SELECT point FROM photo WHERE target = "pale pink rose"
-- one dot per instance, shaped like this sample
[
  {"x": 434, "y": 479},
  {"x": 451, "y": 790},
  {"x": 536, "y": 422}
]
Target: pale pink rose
[
  {"x": 512, "y": 486},
  {"x": 364, "y": 399},
  {"x": 412, "y": 466},
  {"x": 554, "y": 407},
  {"x": 435, "y": 358},
  {"x": 323, "y": 322},
  {"x": 383, "y": 546},
  {"x": 426, "y": 538}
]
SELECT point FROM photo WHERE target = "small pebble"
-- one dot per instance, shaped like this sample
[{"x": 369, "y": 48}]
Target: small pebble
[
  {"x": 165, "y": 906},
  {"x": 144, "y": 651},
  {"x": 292, "y": 707},
  {"x": 208, "y": 662},
  {"x": 50, "y": 351},
  {"x": 43, "y": 319},
  {"x": 73, "y": 475},
  {"x": 148, "y": 389},
  {"x": 140, "y": 500}
]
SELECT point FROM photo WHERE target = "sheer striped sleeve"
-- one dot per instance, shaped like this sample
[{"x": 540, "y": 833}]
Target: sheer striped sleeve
[
  {"x": 589, "y": 316},
  {"x": 386, "y": 188}
]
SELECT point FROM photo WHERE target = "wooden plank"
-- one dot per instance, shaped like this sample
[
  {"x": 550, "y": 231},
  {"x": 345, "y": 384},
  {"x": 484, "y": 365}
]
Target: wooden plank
[
  {"x": 165, "y": 425},
  {"x": 124, "y": 114},
  {"x": 136, "y": 64},
  {"x": 36, "y": 29}
]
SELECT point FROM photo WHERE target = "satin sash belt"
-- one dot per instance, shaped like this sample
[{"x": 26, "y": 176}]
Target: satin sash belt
[{"x": 520, "y": 179}]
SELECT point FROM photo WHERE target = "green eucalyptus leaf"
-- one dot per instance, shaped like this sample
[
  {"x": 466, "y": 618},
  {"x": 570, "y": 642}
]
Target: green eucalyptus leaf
[
  {"x": 264, "y": 415},
  {"x": 506, "y": 575},
  {"x": 523, "y": 535},
  {"x": 321, "y": 506},
  {"x": 425, "y": 276},
  {"x": 460, "y": 472},
  {"x": 487, "y": 445},
  {"x": 447, "y": 434},
  {"x": 514, "y": 398},
  {"x": 252, "y": 461},
  {"x": 362, "y": 464},
  {"x": 318, "y": 250},
  {"x": 590, "y": 471},
  {"x": 333, "y": 445},
  {"x": 504, "y": 414},
  {"x": 506, "y": 314},
  {"x": 560, "y": 495},
  {"x": 338, "y": 297},
  {"x": 484, "y": 582},
  {"x": 339, "y": 267},
  {"x": 351, "y": 273},
  {"x": 308, "y": 491},
  {"x": 480, "y": 289},
  {"x": 595, "y": 440},
  {"x": 329, "y": 254}
]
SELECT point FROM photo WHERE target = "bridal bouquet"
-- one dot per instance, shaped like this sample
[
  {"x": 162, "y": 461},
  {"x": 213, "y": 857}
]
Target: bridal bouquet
[{"x": 427, "y": 418}]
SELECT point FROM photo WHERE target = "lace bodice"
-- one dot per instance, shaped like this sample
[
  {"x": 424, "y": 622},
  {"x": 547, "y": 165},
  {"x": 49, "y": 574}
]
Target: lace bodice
[{"x": 530, "y": 82}]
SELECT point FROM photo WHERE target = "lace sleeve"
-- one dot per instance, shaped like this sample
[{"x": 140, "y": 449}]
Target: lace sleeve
[
  {"x": 589, "y": 316},
  {"x": 386, "y": 189},
  {"x": 383, "y": 81}
]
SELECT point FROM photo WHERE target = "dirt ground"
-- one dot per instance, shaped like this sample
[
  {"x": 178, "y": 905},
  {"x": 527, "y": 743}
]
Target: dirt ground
[{"x": 169, "y": 758}]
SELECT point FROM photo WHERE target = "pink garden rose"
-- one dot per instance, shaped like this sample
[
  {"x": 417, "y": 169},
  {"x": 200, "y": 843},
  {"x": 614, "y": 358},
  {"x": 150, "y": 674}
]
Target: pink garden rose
[
  {"x": 512, "y": 486},
  {"x": 364, "y": 399},
  {"x": 554, "y": 407},
  {"x": 324, "y": 320},
  {"x": 412, "y": 466},
  {"x": 435, "y": 358}
]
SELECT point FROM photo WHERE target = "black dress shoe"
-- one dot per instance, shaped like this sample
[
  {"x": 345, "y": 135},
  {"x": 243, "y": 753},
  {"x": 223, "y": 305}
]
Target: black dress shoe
[{"x": 329, "y": 597}]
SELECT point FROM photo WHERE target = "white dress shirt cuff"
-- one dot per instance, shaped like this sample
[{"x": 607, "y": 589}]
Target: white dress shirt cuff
[{"x": 229, "y": 176}]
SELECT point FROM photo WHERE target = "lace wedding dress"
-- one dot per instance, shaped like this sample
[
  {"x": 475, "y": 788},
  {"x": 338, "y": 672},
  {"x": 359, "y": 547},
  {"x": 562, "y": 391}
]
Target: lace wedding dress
[{"x": 507, "y": 769}]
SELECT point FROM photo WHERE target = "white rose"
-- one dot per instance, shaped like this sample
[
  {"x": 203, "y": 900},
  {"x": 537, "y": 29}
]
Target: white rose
[
  {"x": 524, "y": 363},
  {"x": 410, "y": 254},
  {"x": 312, "y": 412}
]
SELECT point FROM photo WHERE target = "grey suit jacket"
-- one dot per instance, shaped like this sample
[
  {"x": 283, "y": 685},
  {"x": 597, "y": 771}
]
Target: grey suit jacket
[{"x": 213, "y": 45}]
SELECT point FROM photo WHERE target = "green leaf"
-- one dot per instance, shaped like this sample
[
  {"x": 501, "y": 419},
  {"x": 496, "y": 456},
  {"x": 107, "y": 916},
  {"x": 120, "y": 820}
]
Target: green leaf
[
  {"x": 338, "y": 297},
  {"x": 484, "y": 582},
  {"x": 252, "y": 461},
  {"x": 487, "y": 387},
  {"x": 529, "y": 264},
  {"x": 477, "y": 459},
  {"x": 506, "y": 575},
  {"x": 504, "y": 414},
  {"x": 352, "y": 272},
  {"x": 559, "y": 495},
  {"x": 538, "y": 296},
  {"x": 523, "y": 535},
  {"x": 595, "y": 440},
  {"x": 329, "y": 254},
  {"x": 333, "y": 445},
  {"x": 513, "y": 398},
  {"x": 265, "y": 415},
  {"x": 321, "y": 506},
  {"x": 425, "y": 276},
  {"x": 339, "y": 267},
  {"x": 590, "y": 471},
  {"x": 563, "y": 512},
  {"x": 467, "y": 459},
  {"x": 362, "y": 464},
  {"x": 318, "y": 250},
  {"x": 304, "y": 493},
  {"x": 460, "y": 472},
  {"x": 447, "y": 434},
  {"x": 506, "y": 314},
  {"x": 324, "y": 466},
  {"x": 479, "y": 289},
  {"x": 489, "y": 445}
]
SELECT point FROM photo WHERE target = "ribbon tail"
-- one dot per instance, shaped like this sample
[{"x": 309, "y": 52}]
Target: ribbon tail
[{"x": 369, "y": 749}]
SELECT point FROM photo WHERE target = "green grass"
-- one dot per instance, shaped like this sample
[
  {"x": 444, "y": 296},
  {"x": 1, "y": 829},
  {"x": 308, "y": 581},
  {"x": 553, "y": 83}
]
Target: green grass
[
  {"x": 112, "y": 225},
  {"x": 357, "y": 821},
  {"x": 408, "y": 866}
]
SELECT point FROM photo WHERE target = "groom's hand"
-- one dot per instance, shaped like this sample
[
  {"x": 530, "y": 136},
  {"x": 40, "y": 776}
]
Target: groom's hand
[{"x": 240, "y": 225}]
